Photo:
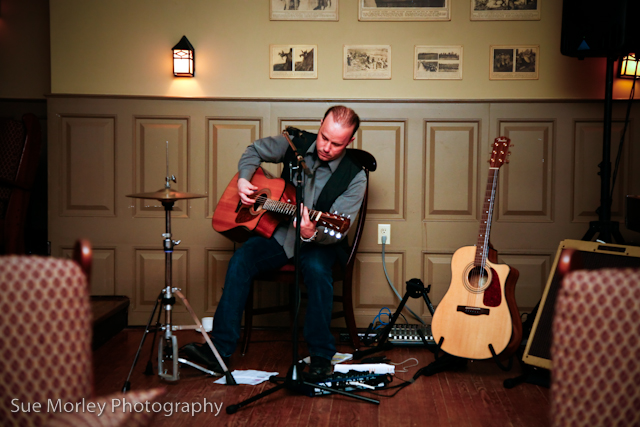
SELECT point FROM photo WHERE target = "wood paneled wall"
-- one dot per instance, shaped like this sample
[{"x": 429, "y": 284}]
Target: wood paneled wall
[{"x": 432, "y": 170}]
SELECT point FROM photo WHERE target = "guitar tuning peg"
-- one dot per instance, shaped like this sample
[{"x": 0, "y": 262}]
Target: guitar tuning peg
[
  {"x": 326, "y": 230},
  {"x": 339, "y": 235},
  {"x": 332, "y": 233},
  {"x": 348, "y": 216}
]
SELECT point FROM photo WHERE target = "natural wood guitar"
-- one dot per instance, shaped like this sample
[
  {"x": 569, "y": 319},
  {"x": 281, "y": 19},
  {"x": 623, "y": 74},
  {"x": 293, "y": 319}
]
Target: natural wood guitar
[
  {"x": 478, "y": 313},
  {"x": 274, "y": 203}
]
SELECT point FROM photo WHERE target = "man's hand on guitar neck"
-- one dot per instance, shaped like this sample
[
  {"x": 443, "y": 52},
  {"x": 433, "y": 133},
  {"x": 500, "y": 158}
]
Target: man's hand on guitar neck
[
  {"x": 245, "y": 191},
  {"x": 308, "y": 227}
]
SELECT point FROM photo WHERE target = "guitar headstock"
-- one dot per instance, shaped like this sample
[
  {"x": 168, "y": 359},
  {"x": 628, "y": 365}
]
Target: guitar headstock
[
  {"x": 334, "y": 223},
  {"x": 500, "y": 151}
]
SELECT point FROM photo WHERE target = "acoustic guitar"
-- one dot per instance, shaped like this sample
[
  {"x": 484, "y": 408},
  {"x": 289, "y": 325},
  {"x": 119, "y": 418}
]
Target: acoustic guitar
[
  {"x": 274, "y": 203},
  {"x": 478, "y": 313}
]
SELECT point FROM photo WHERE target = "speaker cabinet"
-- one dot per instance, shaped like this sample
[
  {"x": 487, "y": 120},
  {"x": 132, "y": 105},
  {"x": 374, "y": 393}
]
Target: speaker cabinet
[
  {"x": 596, "y": 28},
  {"x": 593, "y": 255}
]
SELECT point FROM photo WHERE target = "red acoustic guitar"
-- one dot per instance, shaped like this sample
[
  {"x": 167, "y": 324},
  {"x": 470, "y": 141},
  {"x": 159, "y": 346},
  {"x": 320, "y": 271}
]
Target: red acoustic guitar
[
  {"x": 274, "y": 203},
  {"x": 478, "y": 313}
]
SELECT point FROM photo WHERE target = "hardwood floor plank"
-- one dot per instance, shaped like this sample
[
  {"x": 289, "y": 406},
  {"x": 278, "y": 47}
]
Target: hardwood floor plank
[{"x": 472, "y": 396}]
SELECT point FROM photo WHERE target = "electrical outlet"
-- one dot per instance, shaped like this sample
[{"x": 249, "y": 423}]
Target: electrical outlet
[{"x": 384, "y": 230}]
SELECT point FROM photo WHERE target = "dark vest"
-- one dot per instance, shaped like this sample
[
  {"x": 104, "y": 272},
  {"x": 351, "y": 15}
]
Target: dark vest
[
  {"x": 339, "y": 180},
  {"x": 337, "y": 184}
]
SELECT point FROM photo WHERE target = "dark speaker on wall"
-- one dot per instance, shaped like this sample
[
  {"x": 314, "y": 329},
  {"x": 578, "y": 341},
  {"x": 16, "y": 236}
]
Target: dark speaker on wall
[
  {"x": 592, "y": 256},
  {"x": 596, "y": 28}
]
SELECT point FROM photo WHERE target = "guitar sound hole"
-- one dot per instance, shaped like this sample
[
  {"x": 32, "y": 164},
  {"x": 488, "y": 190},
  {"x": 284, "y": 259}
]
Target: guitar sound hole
[
  {"x": 478, "y": 278},
  {"x": 260, "y": 200}
]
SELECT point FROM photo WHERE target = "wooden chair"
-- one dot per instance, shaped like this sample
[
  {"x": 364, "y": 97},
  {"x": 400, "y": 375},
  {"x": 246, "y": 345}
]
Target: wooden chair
[
  {"x": 286, "y": 274},
  {"x": 20, "y": 144},
  {"x": 596, "y": 346}
]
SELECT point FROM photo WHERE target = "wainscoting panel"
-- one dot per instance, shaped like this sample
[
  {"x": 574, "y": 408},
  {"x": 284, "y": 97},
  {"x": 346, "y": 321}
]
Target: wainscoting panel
[
  {"x": 451, "y": 171},
  {"x": 534, "y": 271},
  {"x": 150, "y": 277},
  {"x": 226, "y": 139},
  {"x": 432, "y": 169},
  {"x": 530, "y": 166},
  {"x": 87, "y": 166},
  {"x": 386, "y": 142},
  {"x": 586, "y": 181},
  {"x": 102, "y": 270},
  {"x": 158, "y": 140},
  {"x": 217, "y": 262}
]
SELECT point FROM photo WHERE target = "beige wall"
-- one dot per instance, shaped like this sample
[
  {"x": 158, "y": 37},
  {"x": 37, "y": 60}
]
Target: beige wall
[
  {"x": 24, "y": 49},
  {"x": 123, "y": 47},
  {"x": 431, "y": 179}
]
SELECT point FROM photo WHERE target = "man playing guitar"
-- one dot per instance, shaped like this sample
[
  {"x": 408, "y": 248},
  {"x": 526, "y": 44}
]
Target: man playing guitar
[{"x": 337, "y": 183}]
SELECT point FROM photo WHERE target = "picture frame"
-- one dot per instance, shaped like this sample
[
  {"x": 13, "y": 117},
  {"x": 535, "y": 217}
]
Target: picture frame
[
  {"x": 505, "y": 10},
  {"x": 404, "y": 10},
  {"x": 520, "y": 62},
  {"x": 304, "y": 10},
  {"x": 437, "y": 63},
  {"x": 293, "y": 61},
  {"x": 366, "y": 62}
]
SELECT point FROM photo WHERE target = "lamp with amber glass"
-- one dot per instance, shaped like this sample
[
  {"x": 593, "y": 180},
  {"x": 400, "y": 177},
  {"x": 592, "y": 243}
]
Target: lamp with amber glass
[
  {"x": 184, "y": 59},
  {"x": 627, "y": 67}
]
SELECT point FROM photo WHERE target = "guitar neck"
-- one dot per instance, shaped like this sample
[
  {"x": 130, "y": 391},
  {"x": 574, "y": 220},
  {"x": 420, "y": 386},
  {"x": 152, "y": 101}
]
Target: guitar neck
[
  {"x": 288, "y": 209},
  {"x": 482, "y": 247}
]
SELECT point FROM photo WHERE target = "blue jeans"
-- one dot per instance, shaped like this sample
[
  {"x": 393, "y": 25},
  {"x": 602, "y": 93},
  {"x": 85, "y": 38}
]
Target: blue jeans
[{"x": 259, "y": 254}]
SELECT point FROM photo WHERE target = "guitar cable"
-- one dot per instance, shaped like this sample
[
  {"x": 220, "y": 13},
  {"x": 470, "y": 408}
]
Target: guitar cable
[{"x": 384, "y": 266}]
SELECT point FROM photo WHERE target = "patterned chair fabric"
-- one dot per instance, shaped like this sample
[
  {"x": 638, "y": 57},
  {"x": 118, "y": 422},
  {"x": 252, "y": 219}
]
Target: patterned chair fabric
[
  {"x": 596, "y": 349},
  {"x": 45, "y": 347},
  {"x": 45, "y": 344}
]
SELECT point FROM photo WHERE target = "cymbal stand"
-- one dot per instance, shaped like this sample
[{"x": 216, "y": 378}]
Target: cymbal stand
[{"x": 168, "y": 359}]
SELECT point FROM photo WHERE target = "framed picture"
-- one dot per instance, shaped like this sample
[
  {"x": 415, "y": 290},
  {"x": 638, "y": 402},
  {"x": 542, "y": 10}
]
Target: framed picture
[
  {"x": 404, "y": 10},
  {"x": 505, "y": 10},
  {"x": 363, "y": 62},
  {"x": 303, "y": 10},
  {"x": 514, "y": 62},
  {"x": 437, "y": 63},
  {"x": 293, "y": 61}
]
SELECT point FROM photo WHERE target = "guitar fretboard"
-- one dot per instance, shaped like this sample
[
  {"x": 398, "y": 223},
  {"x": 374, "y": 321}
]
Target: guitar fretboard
[
  {"x": 284, "y": 208},
  {"x": 482, "y": 247}
]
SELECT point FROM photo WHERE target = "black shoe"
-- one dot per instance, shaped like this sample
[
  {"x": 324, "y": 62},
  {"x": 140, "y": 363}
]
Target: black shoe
[
  {"x": 202, "y": 354},
  {"x": 319, "y": 369}
]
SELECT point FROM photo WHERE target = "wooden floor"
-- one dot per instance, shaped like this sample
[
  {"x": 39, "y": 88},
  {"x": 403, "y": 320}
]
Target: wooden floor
[{"x": 473, "y": 396}]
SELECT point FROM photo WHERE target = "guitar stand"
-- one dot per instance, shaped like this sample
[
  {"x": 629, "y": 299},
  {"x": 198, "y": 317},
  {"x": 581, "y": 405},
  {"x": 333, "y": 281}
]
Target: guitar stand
[
  {"x": 494, "y": 356},
  {"x": 415, "y": 289}
]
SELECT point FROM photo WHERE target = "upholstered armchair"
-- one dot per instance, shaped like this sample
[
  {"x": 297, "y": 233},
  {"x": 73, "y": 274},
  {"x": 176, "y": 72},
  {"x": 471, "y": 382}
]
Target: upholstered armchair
[
  {"x": 596, "y": 349},
  {"x": 45, "y": 345}
]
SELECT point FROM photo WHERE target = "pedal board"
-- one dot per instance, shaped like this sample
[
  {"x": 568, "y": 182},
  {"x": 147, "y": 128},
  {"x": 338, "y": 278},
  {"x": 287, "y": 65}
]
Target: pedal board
[
  {"x": 410, "y": 334},
  {"x": 350, "y": 381},
  {"x": 401, "y": 335}
]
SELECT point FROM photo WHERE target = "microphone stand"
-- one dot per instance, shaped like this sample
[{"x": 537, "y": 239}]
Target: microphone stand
[{"x": 294, "y": 380}]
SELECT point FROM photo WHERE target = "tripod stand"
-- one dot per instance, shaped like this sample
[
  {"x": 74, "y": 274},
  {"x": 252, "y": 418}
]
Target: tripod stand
[
  {"x": 294, "y": 379},
  {"x": 168, "y": 344},
  {"x": 608, "y": 231},
  {"x": 415, "y": 289}
]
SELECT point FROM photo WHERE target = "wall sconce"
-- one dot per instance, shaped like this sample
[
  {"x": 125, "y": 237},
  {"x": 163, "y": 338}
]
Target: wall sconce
[
  {"x": 627, "y": 68},
  {"x": 184, "y": 59}
]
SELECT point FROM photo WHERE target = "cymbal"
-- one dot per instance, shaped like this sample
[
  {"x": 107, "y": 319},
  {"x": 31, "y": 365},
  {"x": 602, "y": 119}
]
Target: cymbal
[{"x": 166, "y": 194}]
